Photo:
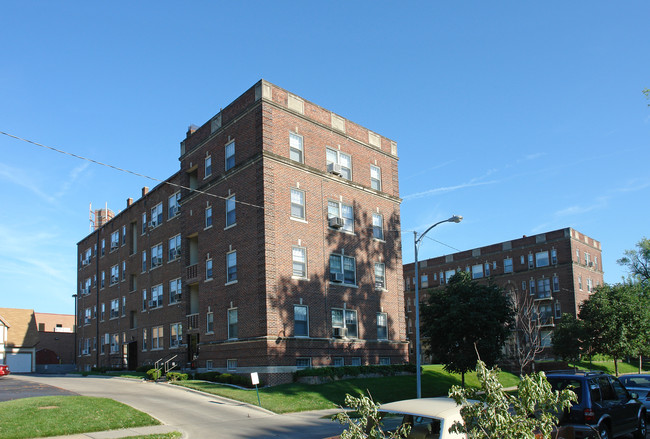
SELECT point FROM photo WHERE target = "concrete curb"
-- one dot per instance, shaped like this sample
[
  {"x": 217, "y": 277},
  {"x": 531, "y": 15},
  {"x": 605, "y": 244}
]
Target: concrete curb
[{"x": 122, "y": 433}]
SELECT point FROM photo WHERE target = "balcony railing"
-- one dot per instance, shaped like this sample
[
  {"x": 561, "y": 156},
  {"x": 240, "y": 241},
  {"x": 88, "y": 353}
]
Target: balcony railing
[
  {"x": 192, "y": 321},
  {"x": 192, "y": 273}
]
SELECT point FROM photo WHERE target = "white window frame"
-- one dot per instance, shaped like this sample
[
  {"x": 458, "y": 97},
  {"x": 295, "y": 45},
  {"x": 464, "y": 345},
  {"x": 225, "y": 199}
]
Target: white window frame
[
  {"x": 382, "y": 316},
  {"x": 378, "y": 226},
  {"x": 175, "y": 335},
  {"x": 231, "y": 210},
  {"x": 229, "y": 156},
  {"x": 115, "y": 274},
  {"x": 343, "y": 259},
  {"x": 296, "y": 321},
  {"x": 336, "y": 209},
  {"x": 298, "y": 259},
  {"x": 156, "y": 256},
  {"x": 156, "y": 215},
  {"x": 175, "y": 291},
  {"x": 209, "y": 269},
  {"x": 556, "y": 284},
  {"x": 144, "y": 339},
  {"x": 342, "y": 321},
  {"x": 207, "y": 166},
  {"x": 346, "y": 171},
  {"x": 173, "y": 205},
  {"x": 174, "y": 248},
  {"x": 156, "y": 297},
  {"x": 233, "y": 323},
  {"x": 477, "y": 271},
  {"x": 231, "y": 262},
  {"x": 297, "y": 204},
  {"x": 144, "y": 223},
  {"x": 144, "y": 261},
  {"x": 115, "y": 309},
  {"x": 303, "y": 363},
  {"x": 380, "y": 276},
  {"x": 542, "y": 259},
  {"x": 231, "y": 364},
  {"x": 296, "y": 148},
  {"x": 208, "y": 217},
  {"x": 157, "y": 338},
  {"x": 115, "y": 240},
  {"x": 209, "y": 322},
  {"x": 375, "y": 180},
  {"x": 508, "y": 267}
]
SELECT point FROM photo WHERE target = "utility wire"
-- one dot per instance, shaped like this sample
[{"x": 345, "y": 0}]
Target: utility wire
[
  {"x": 126, "y": 170},
  {"x": 439, "y": 242}
]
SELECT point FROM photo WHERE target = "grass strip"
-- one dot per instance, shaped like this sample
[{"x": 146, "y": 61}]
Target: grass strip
[{"x": 44, "y": 416}]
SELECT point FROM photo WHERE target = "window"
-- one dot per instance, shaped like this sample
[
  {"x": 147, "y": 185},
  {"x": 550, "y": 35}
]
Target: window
[
  {"x": 342, "y": 211},
  {"x": 340, "y": 163},
  {"x": 449, "y": 274},
  {"x": 295, "y": 148},
  {"x": 553, "y": 256},
  {"x": 144, "y": 223},
  {"x": 487, "y": 269},
  {"x": 231, "y": 364},
  {"x": 375, "y": 177},
  {"x": 507, "y": 265},
  {"x": 338, "y": 362},
  {"x": 231, "y": 218},
  {"x": 144, "y": 261},
  {"x": 233, "y": 325},
  {"x": 123, "y": 235},
  {"x": 157, "y": 337},
  {"x": 377, "y": 226},
  {"x": 477, "y": 271},
  {"x": 542, "y": 259},
  {"x": 209, "y": 364},
  {"x": 231, "y": 267},
  {"x": 208, "y": 217},
  {"x": 382, "y": 326},
  {"x": 299, "y": 256},
  {"x": 175, "y": 290},
  {"x": 297, "y": 203},
  {"x": 156, "y": 297},
  {"x": 230, "y": 155},
  {"x": 208, "y": 166},
  {"x": 530, "y": 261},
  {"x": 144, "y": 339},
  {"x": 303, "y": 363},
  {"x": 208, "y": 269},
  {"x": 156, "y": 256},
  {"x": 123, "y": 270},
  {"x": 209, "y": 323},
  {"x": 543, "y": 288},
  {"x": 87, "y": 316},
  {"x": 558, "y": 310},
  {"x": 115, "y": 240},
  {"x": 123, "y": 306},
  {"x": 522, "y": 260},
  {"x": 531, "y": 283},
  {"x": 175, "y": 335},
  {"x": 103, "y": 283},
  {"x": 341, "y": 326},
  {"x": 355, "y": 361},
  {"x": 380, "y": 278},
  {"x": 174, "y": 248},
  {"x": 580, "y": 282},
  {"x": 556, "y": 284},
  {"x": 115, "y": 343},
  {"x": 300, "y": 321},
  {"x": 587, "y": 258},
  {"x": 523, "y": 285},
  {"x": 173, "y": 207},
  {"x": 342, "y": 269},
  {"x": 102, "y": 313},
  {"x": 578, "y": 256},
  {"x": 115, "y": 274},
  {"x": 115, "y": 309},
  {"x": 144, "y": 300},
  {"x": 589, "y": 284},
  {"x": 384, "y": 361},
  {"x": 103, "y": 247},
  {"x": 156, "y": 215}
]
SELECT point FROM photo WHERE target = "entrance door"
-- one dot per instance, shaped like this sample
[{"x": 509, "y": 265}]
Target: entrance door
[
  {"x": 132, "y": 356},
  {"x": 192, "y": 349}
]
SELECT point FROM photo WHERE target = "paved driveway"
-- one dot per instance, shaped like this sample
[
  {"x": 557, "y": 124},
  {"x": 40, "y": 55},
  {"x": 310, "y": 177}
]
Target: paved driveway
[
  {"x": 13, "y": 388},
  {"x": 196, "y": 414}
]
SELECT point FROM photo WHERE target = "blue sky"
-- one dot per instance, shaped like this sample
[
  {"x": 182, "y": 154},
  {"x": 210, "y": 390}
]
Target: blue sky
[{"x": 523, "y": 117}]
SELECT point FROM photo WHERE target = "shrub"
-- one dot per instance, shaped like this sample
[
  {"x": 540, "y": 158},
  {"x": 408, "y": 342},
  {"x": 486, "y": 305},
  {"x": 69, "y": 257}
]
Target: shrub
[
  {"x": 353, "y": 371},
  {"x": 144, "y": 368},
  {"x": 207, "y": 376},
  {"x": 154, "y": 374},
  {"x": 176, "y": 376}
]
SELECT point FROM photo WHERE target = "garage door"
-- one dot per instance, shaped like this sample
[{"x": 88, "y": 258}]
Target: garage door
[{"x": 19, "y": 362}]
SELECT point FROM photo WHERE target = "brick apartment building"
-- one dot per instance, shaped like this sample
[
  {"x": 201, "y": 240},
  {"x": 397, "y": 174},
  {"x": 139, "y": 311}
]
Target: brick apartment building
[
  {"x": 556, "y": 271},
  {"x": 271, "y": 249}
]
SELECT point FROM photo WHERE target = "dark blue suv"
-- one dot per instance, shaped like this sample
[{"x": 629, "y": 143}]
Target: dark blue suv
[{"x": 604, "y": 406}]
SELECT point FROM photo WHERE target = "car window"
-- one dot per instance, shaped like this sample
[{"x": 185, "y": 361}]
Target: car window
[
  {"x": 619, "y": 389},
  {"x": 606, "y": 389},
  {"x": 635, "y": 381},
  {"x": 421, "y": 426},
  {"x": 594, "y": 391},
  {"x": 567, "y": 383}
]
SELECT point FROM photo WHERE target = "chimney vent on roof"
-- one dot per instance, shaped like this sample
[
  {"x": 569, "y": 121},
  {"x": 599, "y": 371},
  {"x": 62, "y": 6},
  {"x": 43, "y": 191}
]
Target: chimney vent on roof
[
  {"x": 129, "y": 201},
  {"x": 191, "y": 129},
  {"x": 145, "y": 191}
]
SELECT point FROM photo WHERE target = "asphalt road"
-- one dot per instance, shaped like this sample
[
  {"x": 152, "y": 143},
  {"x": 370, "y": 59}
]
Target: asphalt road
[{"x": 195, "y": 414}]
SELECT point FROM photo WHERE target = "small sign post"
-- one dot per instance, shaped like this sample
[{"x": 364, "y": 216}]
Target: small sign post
[{"x": 256, "y": 380}]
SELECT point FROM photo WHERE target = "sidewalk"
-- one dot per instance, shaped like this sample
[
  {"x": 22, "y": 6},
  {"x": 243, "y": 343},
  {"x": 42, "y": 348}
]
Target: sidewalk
[{"x": 125, "y": 432}]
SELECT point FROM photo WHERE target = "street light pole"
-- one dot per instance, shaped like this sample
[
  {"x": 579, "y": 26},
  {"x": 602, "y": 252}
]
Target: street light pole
[{"x": 416, "y": 243}]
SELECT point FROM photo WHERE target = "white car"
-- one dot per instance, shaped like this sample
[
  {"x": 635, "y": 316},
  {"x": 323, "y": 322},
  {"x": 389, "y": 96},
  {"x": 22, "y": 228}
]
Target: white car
[{"x": 430, "y": 418}]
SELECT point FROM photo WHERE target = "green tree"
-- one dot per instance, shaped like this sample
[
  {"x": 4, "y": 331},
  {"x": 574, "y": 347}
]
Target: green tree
[
  {"x": 463, "y": 318},
  {"x": 499, "y": 414},
  {"x": 638, "y": 260},
  {"x": 616, "y": 319},
  {"x": 368, "y": 422},
  {"x": 568, "y": 337}
]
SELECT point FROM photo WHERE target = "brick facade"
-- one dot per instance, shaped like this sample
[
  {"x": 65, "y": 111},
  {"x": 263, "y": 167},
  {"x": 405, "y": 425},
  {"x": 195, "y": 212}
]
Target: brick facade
[
  {"x": 573, "y": 269},
  {"x": 262, "y": 234}
]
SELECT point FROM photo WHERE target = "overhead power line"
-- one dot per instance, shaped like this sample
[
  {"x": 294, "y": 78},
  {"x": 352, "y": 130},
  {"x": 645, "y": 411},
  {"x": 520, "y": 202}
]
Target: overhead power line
[{"x": 117, "y": 168}]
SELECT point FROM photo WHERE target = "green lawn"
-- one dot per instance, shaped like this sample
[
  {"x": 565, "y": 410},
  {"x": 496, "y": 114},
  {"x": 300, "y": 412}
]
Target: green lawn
[
  {"x": 608, "y": 366},
  {"x": 298, "y": 397},
  {"x": 62, "y": 415},
  {"x": 172, "y": 435}
]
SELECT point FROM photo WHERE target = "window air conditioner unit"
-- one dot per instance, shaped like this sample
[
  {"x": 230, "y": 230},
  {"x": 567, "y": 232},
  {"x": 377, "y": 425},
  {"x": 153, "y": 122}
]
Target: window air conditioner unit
[
  {"x": 379, "y": 285},
  {"x": 152, "y": 224},
  {"x": 339, "y": 332},
  {"x": 334, "y": 168},
  {"x": 153, "y": 303},
  {"x": 591, "y": 264},
  {"x": 335, "y": 222},
  {"x": 336, "y": 277}
]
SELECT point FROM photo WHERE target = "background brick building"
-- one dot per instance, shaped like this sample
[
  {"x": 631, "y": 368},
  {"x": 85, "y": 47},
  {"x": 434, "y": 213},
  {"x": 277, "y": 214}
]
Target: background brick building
[
  {"x": 273, "y": 248},
  {"x": 556, "y": 271}
]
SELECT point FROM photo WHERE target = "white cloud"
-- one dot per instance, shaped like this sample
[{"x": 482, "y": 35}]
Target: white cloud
[{"x": 23, "y": 179}]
